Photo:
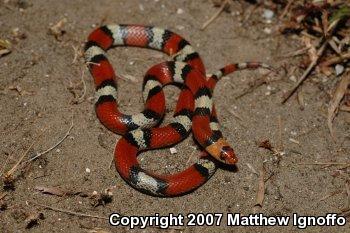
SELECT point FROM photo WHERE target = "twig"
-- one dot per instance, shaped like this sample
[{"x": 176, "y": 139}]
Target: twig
[
  {"x": 257, "y": 83},
  {"x": 111, "y": 163},
  {"x": 307, "y": 71},
  {"x": 300, "y": 98},
  {"x": 280, "y": 140},
  {"x": 2, "y": 196},
  {"x": 128, "y": 77},
  {"x": 191, "y": 157},
  {"x": 335, "y": 102},
  {"x": 252, "y": 169},
  {"x": 344, "y": 108},
  {"x": 13, "y": 169},
  {"x": 79, "y": 214},
  {"x": 250, "y": 11},
  {"x": 330, "y": 31},
  {"x": 295, "y": 53},
  {"x": 221, "y": 9},
  {"x": 76, "y": 53},
  {"x": 68, "y": 211},
  {"x": 326, "y": 164},
  {"x": 335, "y": 60},
  {"x": 54, "y": 146},
  {"x": 235, "y": 114},
  {"x": 285, "y": 10},
  {"x": 81, "y": 98},
  {"x": 261, "y": 188},
  {"x": 5, "y": 164},
  {"x": 347, "y": 189},
  {"x": 331, "y": 195}
]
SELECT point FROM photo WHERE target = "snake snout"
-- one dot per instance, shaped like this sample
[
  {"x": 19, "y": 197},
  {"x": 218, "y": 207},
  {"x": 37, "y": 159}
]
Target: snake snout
[{"x": 228, "y": 156}]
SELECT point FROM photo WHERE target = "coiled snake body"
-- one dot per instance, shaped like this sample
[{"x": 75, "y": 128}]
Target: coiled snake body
[{"x": 194, "y": 110}]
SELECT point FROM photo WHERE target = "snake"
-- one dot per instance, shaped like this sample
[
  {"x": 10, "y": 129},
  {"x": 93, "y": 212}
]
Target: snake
[{"x": 194, "y": 109}]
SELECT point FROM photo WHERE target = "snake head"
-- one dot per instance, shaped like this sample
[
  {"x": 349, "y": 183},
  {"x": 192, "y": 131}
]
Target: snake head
[
  {"x": 222, "y": 151},
  {"x": 227, "y": 155}
]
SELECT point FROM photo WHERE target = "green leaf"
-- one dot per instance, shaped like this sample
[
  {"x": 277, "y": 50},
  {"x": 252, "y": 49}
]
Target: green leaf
[{"x": 341, "y": 13}]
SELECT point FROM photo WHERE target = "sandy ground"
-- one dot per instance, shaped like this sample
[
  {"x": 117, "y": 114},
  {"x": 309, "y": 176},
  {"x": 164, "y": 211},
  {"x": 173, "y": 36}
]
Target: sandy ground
[{"x": 44, "y": 68}]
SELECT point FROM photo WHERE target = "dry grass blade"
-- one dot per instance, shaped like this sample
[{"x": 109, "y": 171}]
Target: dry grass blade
[
  {"x": 331, "y": 195},
  {"x": 344, "y": 108},
  {"x": 325, "y": 164},
  {"x": 2, "y": 195},
  {"x": 221, "y": 9},
  {"x": 347, "y": 189},
  {"x": 334, "y": 104},
  {"x": 307, "y": 71},
  {"x": 54, "y": 146},
  {"x": 56, "y": 191},
  {"x": 286, "y": 9},
  {"x": 79, "y": 214},
  {"x": 14, "y": 168},
  {"x": 335, "y": 60}
]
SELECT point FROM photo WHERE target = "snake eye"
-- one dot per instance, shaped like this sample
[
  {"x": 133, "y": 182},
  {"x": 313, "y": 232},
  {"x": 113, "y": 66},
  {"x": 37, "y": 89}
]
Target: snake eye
[{"x": 227, "y": 155}]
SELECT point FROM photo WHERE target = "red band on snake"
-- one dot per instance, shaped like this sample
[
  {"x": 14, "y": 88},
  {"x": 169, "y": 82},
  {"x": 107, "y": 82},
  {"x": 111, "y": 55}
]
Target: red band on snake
[{"x": 194, "y": 108}]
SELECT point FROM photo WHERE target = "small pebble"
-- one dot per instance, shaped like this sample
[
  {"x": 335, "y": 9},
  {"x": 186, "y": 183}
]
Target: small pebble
[
  {"x": 267, "y": 30},
  {"x": 87, "y": 170},
  {"x": 268, "y": 14},
  {"x": 173, "y": 150},
  {"x": 179, "y": 11},
  {"x": 293, "y": 78},
  {"x": 339, "y": 69},
  {"x": 141, "y": 7},
  {"x": 58, "y": 150},
  {"x": 180, "y": 27},
  {"x": 294, "y": 141}
]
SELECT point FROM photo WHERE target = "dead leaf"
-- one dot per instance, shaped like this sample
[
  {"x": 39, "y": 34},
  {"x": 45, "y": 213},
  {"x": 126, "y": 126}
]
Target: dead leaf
[
  {"x": 325, "y": 23},
  {"x": 266, "y": 145},
  {"x": 5, "y": 47},
  {"x": 102, "y": 198},
  {"x": 312, "y": 51},
  {"x": 260, "y": 196},
  {"x": 334, "y": 103},
  {"x": 57, "y": 30}
]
